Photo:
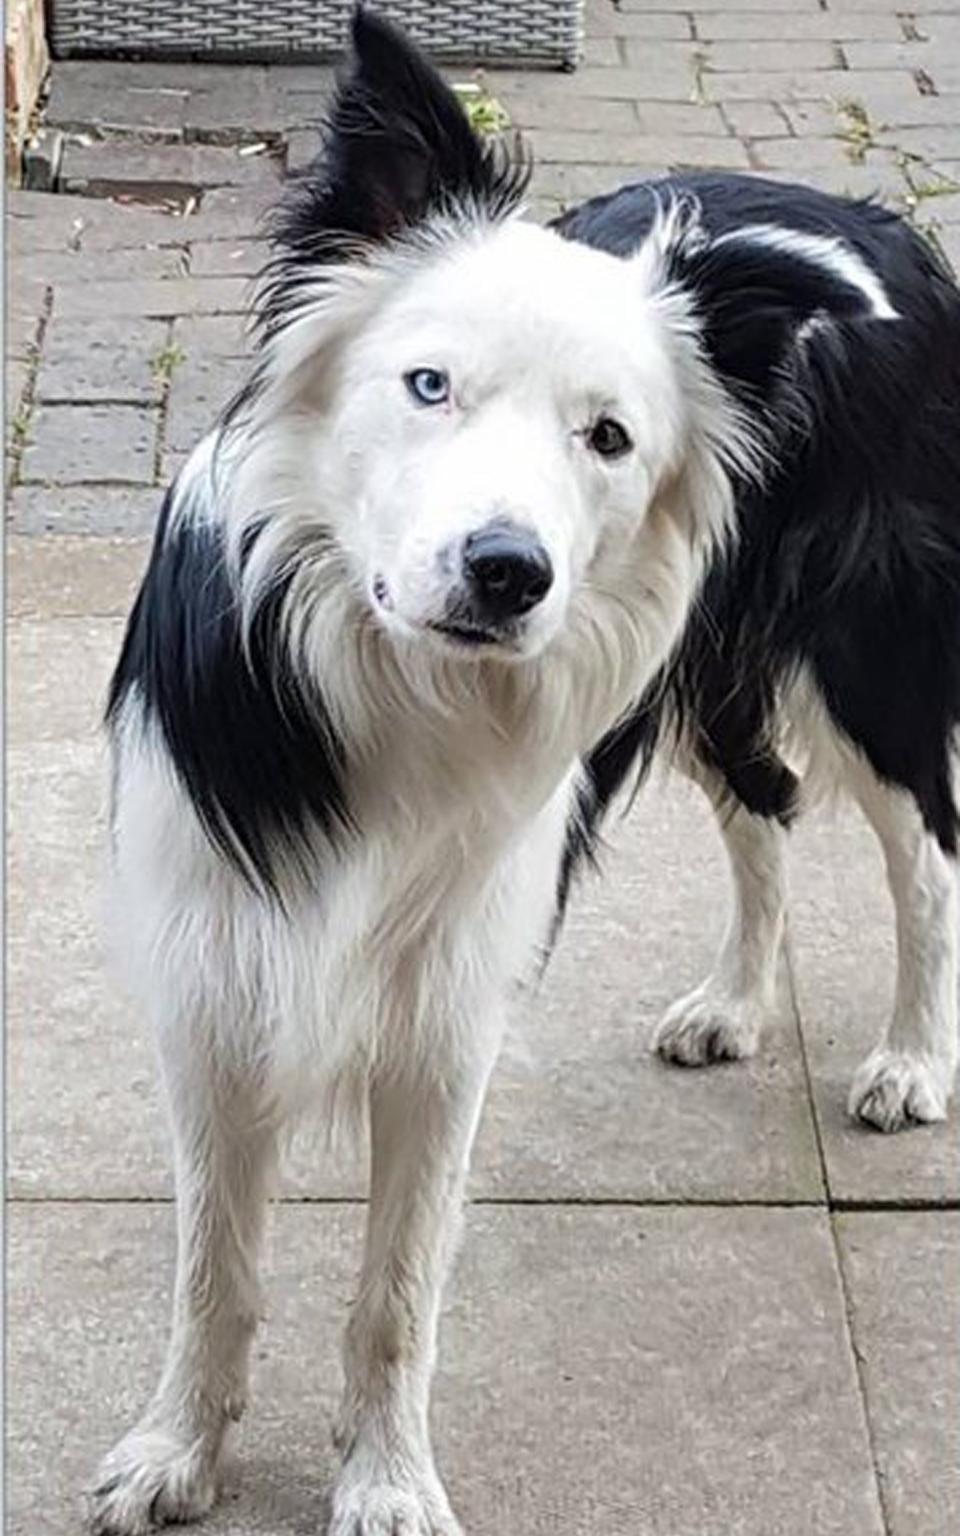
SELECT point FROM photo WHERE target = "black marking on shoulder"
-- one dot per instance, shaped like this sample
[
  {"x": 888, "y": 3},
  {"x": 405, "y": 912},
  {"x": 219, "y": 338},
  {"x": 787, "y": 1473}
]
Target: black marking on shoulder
[{"x": 251, "y": 739}]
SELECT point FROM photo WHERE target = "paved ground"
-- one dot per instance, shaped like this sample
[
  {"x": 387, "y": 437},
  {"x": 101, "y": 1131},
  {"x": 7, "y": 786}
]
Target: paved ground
[{"x": 687, "y": 1305}]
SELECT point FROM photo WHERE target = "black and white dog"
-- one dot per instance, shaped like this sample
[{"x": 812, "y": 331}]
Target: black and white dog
[{"x": 500, "y": 510}]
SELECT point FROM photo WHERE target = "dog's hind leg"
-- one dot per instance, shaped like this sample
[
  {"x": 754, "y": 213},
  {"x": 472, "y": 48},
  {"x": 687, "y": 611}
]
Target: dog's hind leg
[
  {"x": 723, "y": 1017},
  {"x": 908, "y": 1076},
  {"x": 422, "y": 1125},
  {"x": 165, "y": 1469}
]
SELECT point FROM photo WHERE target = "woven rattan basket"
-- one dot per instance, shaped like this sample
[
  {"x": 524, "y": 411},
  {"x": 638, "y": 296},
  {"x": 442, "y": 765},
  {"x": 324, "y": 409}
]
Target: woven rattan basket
[{"x": 546, "y": 32}]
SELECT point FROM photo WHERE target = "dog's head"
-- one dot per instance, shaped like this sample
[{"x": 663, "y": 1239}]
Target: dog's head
[{"x": 510, "y": 437}]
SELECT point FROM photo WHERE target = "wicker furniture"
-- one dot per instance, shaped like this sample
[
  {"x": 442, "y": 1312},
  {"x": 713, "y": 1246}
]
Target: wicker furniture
[{"x": 516, "y": 31}]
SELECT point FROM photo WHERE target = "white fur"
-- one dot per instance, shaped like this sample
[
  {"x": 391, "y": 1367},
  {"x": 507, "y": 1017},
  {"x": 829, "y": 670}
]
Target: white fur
[
  {"x": 908, "y": 1077},
  {"x": 722, "y": 1018},
  {"x": 833, "y": 255},
  {"x": 382, "y": 991}
]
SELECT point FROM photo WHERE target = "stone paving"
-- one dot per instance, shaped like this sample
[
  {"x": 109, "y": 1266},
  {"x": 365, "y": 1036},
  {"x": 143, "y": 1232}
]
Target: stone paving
[{"x": 687, "y": 1305}]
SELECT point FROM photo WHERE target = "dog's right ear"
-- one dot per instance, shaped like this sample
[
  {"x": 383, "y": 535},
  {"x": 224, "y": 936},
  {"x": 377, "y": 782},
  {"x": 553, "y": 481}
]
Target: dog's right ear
[{"x": 397, "y": 148}]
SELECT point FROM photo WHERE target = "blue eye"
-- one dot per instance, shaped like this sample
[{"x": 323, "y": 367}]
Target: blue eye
[{"x": 428, "y": 386}]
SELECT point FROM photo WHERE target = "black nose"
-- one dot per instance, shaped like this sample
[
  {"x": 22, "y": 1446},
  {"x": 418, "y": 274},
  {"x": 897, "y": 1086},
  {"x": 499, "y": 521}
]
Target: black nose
[{"x": 507, "y": 570}]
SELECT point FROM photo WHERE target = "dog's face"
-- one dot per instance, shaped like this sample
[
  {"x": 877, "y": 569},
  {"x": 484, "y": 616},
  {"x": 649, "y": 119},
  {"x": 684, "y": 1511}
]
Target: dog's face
[
  {"x": 501, "y": 421},
  {"x": 483, "y": 413}
]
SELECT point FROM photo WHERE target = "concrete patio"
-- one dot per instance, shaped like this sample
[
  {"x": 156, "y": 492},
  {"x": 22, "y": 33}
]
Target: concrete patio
[{"x": 687, "y": 1304}]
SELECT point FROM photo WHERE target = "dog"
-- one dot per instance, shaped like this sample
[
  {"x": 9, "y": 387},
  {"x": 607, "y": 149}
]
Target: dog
[{"x": 500, "y": 512}]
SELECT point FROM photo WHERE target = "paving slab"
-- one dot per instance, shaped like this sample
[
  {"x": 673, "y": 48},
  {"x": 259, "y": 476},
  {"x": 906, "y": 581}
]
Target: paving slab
[
  {"x": 140, "y": 169},
  {"x": 200, "y": 386},
  {"x": 105, "y": 510},
  {"x": 842, "y": 933},
  {"x": 101, "y": 359},
  {"x": 636, "y": 1372},
  {"x": 161, "y": 298},
  {"x": 72, "y": 576},
  {"x": 579, "y": 1107},
  {"x": 901, "y": 1271},
  {"x": 70, "y": 444}
]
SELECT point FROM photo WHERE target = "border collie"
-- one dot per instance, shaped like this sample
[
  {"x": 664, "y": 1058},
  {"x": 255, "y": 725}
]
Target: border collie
[{"x": 500, "y": 511}]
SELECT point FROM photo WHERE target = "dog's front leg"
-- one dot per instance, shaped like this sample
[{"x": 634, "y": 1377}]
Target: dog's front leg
[
  {"x": 165, "y": 1469},
  {"x": 423, "y": 1120}
]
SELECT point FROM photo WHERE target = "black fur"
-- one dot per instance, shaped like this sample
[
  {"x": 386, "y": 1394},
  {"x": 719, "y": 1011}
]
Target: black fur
[
  {"x": 397, "y": 148},
  {"x": 847, "y": 562},
  {"x": 255, "y": 752},
  {"x": 257, "y": 756}
]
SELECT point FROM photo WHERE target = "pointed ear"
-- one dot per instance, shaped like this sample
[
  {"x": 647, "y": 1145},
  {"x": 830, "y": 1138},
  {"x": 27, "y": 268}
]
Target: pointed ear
[
  {"x": 760, "y": 290},
  {"x": 398, "y": 147}
]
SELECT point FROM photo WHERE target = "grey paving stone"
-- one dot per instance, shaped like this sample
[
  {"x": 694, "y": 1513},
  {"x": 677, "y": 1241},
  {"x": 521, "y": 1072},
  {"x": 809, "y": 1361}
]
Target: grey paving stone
[
  {"x": 803, "y": 85},
  {"x": 100, "y": 224},
  {"x": 706, "y": 7},
  {"x": 606, "y": 20},
  {"x": 79, "y": 102},
  {"x": 948, "y": 238},
  {"x": 601, "y": 50},
  {"x": 39, "y": 221},
  {"x": 931, "y": 142},
  {"x": 303, "y": 145},
  {"x": 97, "y": 266},
  {"x": 153, "y": 297},
  {"x": 578, "y": 1109},
  {"x": 802, "y": 156},
  {"x": 667, "y": 118},
  {"x": 755, "y": 119},
  {"x": 883, "y": 54},
  {"x": 102, "y": 359},
  {"x": 132, "y": 167},
  {"x": 21, "y": 335},
  {"x": 647, "y": 82},
  {"x": 901, "y": 1273},
  {"x": 73, "y": 577},
  {"x": 912, "y": 111},
  {"x": 879, "y": 176},
  {"x": 18, "y": 373},
  {"x": 226, "y": 258},
  {"x": 578, "y": 1103},
  {"x": 740, "y": 55},
  {"x": 675, "y": 1373},
  {"x": 590, "y": 116},
  {"x": 776, "y": 25},
  {"x": 812, "y": 119},
  {"x": 199, "y": 389},
  {"x": 45, "y": 654},
  {"x": 218, "y": 336},
  {"x": 842, "y": 930},
  {"x": 71, "y": 444},
  {"x": 559, "y": 148},
  {"x": 103, "y": 510},
  {"x": 226, "y": 213}
]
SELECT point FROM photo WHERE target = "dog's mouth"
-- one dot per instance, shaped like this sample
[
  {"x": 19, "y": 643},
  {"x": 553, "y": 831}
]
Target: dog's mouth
[{"x": 470, "y": 635}]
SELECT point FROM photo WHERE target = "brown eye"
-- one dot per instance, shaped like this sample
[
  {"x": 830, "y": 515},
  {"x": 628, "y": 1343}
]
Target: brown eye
[{"x": 608, "y": 438}]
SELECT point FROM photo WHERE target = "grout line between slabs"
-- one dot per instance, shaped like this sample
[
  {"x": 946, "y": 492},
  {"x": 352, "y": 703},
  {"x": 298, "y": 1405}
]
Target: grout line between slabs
[
  {"x": 832, "y": 1208},
  {"x": 547, "y": 1202}
]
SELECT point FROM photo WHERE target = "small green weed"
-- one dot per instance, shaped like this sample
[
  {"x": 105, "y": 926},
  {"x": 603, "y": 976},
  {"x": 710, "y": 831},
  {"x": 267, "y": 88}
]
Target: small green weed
[{"x": 485, "y": 114}]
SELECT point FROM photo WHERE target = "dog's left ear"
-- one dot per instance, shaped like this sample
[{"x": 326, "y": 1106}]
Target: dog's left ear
[
  {"x": 398, "y": 147},
  {"x": 758, "y": 290}
]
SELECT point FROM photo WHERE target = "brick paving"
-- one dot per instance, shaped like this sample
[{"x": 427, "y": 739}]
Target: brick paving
[
  {"x": 855, "y": 98},
  {"x": 788, "y": 1366}
]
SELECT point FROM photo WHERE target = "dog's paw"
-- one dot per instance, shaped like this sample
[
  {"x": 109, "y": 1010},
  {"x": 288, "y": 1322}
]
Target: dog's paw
[
  {"x": 700, "y": 1028},
  {"x": 892, "y": 1090},
  {"x": 151, "y": 1478},
  {"x": 368, "y": 1505}
]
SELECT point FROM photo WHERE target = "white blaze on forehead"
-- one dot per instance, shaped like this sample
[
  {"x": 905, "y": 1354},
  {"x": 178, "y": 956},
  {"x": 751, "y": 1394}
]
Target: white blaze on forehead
[
  {"x": 824, "y": 251},
  {"x": 517, "y": 272}
]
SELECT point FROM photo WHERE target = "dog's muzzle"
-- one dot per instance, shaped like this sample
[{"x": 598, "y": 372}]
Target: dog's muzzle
[{"x": 504, "y": 573}]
